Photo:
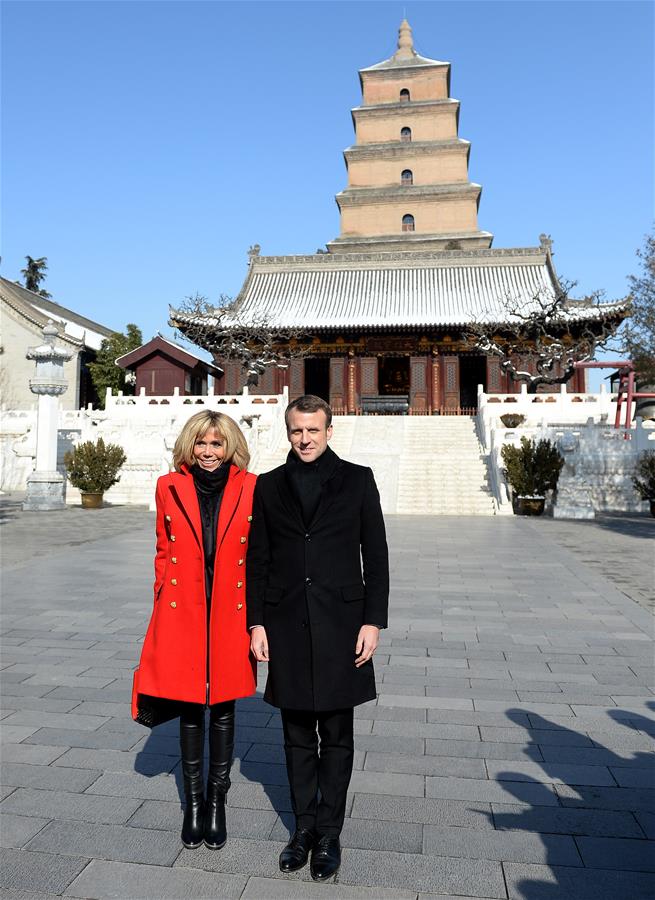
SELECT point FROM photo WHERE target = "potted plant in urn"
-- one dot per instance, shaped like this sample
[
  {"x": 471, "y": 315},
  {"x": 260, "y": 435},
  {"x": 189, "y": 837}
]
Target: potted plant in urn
[
  {"x": 644, "y": 478},
  {"x": 531, "y": 470},
  {"x": 93, "y": 469}
]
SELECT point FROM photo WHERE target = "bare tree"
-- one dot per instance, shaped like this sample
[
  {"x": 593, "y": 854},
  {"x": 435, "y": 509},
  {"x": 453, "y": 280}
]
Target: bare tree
[
  {"x": 228, "y": 335},
  {"x": 639, "y": 331},
  {"x": 539, "y": 341}
]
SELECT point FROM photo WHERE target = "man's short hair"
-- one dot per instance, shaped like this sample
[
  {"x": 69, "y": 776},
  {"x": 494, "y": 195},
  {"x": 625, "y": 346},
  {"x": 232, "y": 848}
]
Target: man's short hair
[{"x": 309, "y": 403}]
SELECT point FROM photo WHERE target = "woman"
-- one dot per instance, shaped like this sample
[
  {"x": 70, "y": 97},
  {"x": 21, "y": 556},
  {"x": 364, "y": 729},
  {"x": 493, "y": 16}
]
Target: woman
[{"x": 196, "y": 650}]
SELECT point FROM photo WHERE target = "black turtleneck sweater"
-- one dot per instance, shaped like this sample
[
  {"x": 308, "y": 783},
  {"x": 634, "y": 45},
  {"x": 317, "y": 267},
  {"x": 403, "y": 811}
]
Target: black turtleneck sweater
[
  {"x": 306, "y": 480},
  {"x": 209, "y": 488}
]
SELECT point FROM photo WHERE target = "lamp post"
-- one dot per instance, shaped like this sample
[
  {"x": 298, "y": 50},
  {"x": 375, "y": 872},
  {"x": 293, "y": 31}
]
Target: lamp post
[{"x": 45, "y": 486}]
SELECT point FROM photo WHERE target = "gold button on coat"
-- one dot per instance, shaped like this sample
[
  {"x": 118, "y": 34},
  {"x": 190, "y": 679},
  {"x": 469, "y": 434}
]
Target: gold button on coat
[
  {"x": 173, "y": 604},
  {"x": 239, "y": 605},
  {"x": 173, "y": 580},
  {"x": 243, "y": 540},
  {"x": 168, "y": 518},
  {"x": 240, "y": 562},
  {"x": 174, "y": 559},
  {"x": 250, "y": 518},
  {"x": 172, "y": 537},
  {"x": 239, "y": 583}
]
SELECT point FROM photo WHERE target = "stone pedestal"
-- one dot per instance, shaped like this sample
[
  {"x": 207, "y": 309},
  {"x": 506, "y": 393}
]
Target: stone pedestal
[{"x": 45, "y": 491}]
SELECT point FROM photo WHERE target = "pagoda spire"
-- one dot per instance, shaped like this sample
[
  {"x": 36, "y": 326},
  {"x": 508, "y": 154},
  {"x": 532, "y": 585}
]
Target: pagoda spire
[{"x": 405, "y": 42}]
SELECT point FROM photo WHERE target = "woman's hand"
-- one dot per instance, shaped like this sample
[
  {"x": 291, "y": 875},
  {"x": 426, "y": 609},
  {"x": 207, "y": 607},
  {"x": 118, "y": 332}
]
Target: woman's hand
[
  {"x": 259, "y": 643},
  {"x": 367, "y": 641}
]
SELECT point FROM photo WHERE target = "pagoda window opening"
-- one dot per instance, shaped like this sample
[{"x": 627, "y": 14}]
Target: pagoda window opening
[
  {"x": 407, "y": 176},
  {"x": 404, "y": 96},
  {"x": 408, "y": 222},
  {"x": 406, "y": 134}
]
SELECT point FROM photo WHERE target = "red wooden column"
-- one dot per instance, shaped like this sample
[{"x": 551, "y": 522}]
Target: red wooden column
[
  {"x": 338, "y": 380},
  {"x": 352, "y": 403},
  {"x": 418, "y": 385},
  {"x": 296, "y": 378},
  {"x": 436, "y": 382},
  {"x": 451, "y": 382}
]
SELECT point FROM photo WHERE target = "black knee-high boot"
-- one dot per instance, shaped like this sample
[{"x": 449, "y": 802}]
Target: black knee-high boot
[
  {"x": 192, "y": 740},
  {"x": 221, "y": 747}
]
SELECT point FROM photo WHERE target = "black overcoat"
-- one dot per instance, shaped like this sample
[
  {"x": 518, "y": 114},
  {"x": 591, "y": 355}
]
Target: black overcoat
[{"x": 306, "y": 586}]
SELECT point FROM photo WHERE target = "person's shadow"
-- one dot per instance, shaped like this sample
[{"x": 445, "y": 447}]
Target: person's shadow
[{"x": 562, "y": 793}]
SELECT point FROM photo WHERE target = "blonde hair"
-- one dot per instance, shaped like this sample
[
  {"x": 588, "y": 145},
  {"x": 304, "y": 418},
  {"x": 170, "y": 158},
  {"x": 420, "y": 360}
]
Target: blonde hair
[{"x": 236, "y": 449}]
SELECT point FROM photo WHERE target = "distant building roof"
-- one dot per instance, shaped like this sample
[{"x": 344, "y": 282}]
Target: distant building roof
[
  {"x": 77, "y": 329},
  {"x": 399, "y": 290},
  {"x": 160, "y": 345}
]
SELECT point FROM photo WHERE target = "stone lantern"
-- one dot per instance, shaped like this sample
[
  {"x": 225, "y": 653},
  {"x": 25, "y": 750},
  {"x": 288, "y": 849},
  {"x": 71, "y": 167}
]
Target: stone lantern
[{"x": 45, "y": 486}]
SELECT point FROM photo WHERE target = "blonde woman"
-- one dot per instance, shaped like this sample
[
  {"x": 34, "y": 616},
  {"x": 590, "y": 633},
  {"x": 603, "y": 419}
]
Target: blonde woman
[{"x": 196, "y": 652}]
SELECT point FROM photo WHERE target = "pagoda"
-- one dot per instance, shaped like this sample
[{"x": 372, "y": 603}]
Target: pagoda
[{"x": 387, "y": 304}]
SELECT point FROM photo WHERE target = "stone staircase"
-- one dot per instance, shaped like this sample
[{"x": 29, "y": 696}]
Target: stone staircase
[{"x": 423, "y": 465}]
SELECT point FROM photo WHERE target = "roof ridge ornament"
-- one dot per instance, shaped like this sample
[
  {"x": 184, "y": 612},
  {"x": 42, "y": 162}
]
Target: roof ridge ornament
[{"x": 405, "y": 42}]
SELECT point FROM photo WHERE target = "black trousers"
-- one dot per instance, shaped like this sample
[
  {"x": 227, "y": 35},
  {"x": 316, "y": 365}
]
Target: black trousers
[{"x": 319, "y": 749}]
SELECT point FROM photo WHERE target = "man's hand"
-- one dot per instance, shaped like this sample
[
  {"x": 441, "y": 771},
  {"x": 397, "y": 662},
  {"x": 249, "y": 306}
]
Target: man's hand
[
  {"x": 367, "y": 641},
  {"x": 259, "y": 643}
]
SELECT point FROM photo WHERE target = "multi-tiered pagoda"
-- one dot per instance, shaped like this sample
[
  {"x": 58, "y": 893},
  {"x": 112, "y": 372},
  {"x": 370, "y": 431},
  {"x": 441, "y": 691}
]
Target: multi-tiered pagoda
[{"x": 388, "y": 303}]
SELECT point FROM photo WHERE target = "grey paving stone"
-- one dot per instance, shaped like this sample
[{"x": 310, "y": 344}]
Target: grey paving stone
[
  {"x": 39, "y": 719},
  {"x": 118, "y": 761},
  {"x": 116, "y": 842},
  {"x": 425, "y": 765},
  {"x": 550, "y": 772},
  {"x": 422, "y": 810},
  {"x": 477, "y": 717},
  {"x": 635, "y": 777},
  {"x": 286, "y": 889},
  {"x": 566, "y": 883},
  {"x": 631, "y": 799},
  {"x": 54, "y": 778},
  {"x": 389, "y": 713},
  {"x": 47, "y": 872},
  {"x": 16, "y": 831},
  {"x": 491, "y": 791},
  {"x": 65, "y": 737},
  {"x": 617, "y": 853},
  {"x": 483, "y": 750},
  {"x": 474, "y": 878},
  {"x": 469, "y": 843},
  {"x": 62, "y": 805},
  {"x": 118, "y": 880},
  {"x": 34, "y": 754},
  {"x": 256, "y": 796},
  {"x": 424, "y": 730},
  {"x": 14, "y": 734},
  {"x": 123, "y": 784},
  {"x": 558, "y": 820},
  {"x": 386, "y": 783},
  {"x": 404, "y": 700}
]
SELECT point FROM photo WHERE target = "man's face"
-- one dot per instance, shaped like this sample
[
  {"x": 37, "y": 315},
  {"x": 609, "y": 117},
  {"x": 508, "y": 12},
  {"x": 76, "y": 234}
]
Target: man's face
[{"x": 307, "y": 434}]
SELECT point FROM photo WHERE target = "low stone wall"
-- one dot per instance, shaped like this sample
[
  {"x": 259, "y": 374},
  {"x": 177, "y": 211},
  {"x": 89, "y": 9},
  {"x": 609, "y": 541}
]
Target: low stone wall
[
  {"x": 599, "y": 459},
  {"x": 145, "y": 427}
]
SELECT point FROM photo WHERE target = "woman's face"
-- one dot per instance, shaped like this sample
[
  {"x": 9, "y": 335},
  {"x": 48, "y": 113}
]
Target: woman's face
[{"x": 209, "y": 450}]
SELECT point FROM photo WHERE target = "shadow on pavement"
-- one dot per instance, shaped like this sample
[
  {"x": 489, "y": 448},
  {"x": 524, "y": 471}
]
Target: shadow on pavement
[{"x": 608, "y": 880}]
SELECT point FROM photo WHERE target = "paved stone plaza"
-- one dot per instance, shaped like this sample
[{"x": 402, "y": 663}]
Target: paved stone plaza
[{"x": 508, "y": 754}]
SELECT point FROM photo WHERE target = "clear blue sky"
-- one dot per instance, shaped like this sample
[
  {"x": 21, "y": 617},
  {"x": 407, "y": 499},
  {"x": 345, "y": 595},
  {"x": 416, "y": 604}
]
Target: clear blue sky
[{"x": 146, "y": 145}]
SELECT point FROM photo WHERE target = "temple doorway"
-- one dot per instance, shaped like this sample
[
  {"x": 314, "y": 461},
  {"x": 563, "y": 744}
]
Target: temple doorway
[
  {"x": 393, "y": 376},
  {"x": 472, "y": 372},
  {"x": 317, "y": 377}
]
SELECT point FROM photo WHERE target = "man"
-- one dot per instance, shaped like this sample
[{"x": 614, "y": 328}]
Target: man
[{"x": 316, "y": 620}]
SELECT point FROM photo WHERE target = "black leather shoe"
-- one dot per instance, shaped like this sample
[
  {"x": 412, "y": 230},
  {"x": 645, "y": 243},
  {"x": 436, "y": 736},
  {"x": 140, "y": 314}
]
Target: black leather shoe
[
  {"x": 326, "y": 858},
  {"x": 295, "y": 854}
]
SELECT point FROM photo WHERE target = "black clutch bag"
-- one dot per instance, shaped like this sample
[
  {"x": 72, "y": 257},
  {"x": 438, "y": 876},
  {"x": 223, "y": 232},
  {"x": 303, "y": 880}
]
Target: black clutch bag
[{"x": 152, "y": 711}]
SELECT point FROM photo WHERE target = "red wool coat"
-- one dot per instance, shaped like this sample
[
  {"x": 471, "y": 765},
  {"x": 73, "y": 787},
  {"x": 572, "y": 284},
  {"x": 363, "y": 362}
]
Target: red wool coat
[{"x": 180, "y": 655}]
